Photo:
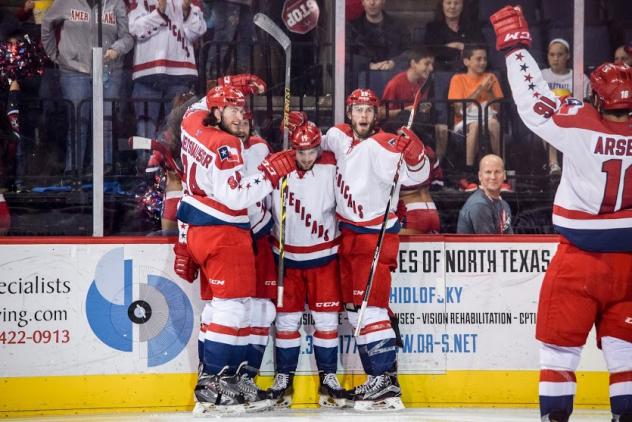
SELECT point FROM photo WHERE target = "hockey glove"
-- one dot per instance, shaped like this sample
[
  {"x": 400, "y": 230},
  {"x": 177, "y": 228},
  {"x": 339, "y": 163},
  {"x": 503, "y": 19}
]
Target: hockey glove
[
  {"x": 245, "y": 82},
  {"x": 512, "y": 31},
  {"x": 412, "y": 148},
  {"x": 295, "y": 119},
  {"x": 278, "y": 165},
  {"x": 184, "y": 265},
  {"x": 401, "y": 212}
]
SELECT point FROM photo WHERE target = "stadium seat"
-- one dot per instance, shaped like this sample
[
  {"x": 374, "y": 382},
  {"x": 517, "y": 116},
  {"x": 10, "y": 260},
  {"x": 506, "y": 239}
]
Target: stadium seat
[
  {"x": 530, "y": 8},
  {"x": 441, "y": 86},
  {"x": 418, "y": 34},
  {"x": 597, "y": 48},
  {"x": 559, "y": 13},
  {"x": 376, "y": 79}
]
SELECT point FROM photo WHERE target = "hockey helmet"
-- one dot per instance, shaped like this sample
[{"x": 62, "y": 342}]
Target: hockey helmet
[
  {"x": 306, "y": 136},
  {"x": 223, "y": 96},
  {"x": 612, "y": 85},
  {"x": 363, "y": 96}
]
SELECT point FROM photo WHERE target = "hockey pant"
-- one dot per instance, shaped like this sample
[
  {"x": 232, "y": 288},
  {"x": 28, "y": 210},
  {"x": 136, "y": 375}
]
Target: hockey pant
[{"x": 324, "y": 342}]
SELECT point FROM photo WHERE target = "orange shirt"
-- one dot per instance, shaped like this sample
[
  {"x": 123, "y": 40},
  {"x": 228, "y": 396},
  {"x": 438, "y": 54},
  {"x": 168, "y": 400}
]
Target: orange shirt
[{"x": 462, "y": 85}]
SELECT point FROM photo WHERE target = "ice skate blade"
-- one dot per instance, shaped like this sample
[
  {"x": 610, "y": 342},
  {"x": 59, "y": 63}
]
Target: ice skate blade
[
  {"x": 283, "y": 402},
  {"x": 208, "y": 409},
  {"x": 390, "y": 404},
  {"x": 332, "y": 403}
]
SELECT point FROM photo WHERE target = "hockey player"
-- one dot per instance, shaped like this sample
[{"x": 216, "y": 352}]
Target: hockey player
[
  {"x": 311, "y": 245},
  {"x": 262, "y": 311},
  {"x": 215, "y": 235},
  {"x": 589, "y": 280},
  {"x": 367, "y": 161}
]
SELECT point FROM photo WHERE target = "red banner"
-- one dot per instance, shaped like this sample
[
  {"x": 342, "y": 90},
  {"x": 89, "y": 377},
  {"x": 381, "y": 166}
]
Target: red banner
[{"x": 300, "y": 16}]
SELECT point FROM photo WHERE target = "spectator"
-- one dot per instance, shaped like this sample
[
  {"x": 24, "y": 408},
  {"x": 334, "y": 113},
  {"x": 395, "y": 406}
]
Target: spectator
[
  {"x": 485, "y": 212},
  {"x": 73, "y": 54},
  {"x": 559, "y": 77},
  {"x": 450, "y": 32},
  {"x": 399, "y": 94},
  {"x": 164, "y": 59},
  {"x": 232, "y": 37},
  {"x": 375, "y": 40},
  {"x": 483, "y": 87},
  {"x": 621, "y": 56},
  {"x": 421, "y": 215}
]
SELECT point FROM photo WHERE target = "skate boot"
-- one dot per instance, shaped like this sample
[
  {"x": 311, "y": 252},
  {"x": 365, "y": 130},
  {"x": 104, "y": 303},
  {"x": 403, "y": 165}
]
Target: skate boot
[
  {"x": 331, "y": 392},
  {"x": 256, "y": 399},
  {"x": 626, "y": 417},
  {"x": 281, "y": 391},
  {"x": 218, "y": 393},
  {"x": 381, "y": 393},
  {"x": 556, "y": 416},
  {"x": 359, "y": 390}
]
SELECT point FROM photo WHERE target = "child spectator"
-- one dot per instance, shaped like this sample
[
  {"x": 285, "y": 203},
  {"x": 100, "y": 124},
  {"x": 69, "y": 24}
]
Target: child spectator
[
  {"x": 399, "y": 95},
  {"x": 559, "y": 77},
  {"x": 483, "y": 87}
]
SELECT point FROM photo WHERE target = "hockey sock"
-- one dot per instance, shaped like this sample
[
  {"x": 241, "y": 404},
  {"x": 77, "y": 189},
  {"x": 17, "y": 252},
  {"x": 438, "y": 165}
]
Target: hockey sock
[
  {"x": 218, "y": 354},
  {"x": 621, "y": 393},
  {"x": 287, "y": 350},
  {"x": 557, "y": 391},
  {"x": 382, "y": 355},
  {"x": 326, "y": 350},
  {"x": 257, "y": 346}
]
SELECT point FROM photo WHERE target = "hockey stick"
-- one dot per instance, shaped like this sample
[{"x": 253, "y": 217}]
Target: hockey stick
[
  {"x": 380, "y": 239},
  {"x": 272, "y": 29},
  {"x": 142, "y": 143}
]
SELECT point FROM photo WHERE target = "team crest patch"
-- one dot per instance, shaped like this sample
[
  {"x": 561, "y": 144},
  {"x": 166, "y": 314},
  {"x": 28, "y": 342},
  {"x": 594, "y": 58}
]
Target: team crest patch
[{"x": 227, "y": 153}]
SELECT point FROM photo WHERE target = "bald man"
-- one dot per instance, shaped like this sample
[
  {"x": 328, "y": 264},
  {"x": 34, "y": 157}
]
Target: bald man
[{"x": 485, "y": 212}]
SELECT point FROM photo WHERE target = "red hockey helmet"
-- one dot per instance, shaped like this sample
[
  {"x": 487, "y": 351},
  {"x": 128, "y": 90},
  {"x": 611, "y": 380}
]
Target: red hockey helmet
[
  {"x": 306, "y": 136},
  {"x": 612, "y": 84},
  {"x": 223, "y": 96},
  {"x": 363, "y": 96}
]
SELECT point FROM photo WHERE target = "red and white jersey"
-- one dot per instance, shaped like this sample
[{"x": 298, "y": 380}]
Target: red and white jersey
[
  {"x": 364, "y": 177},
  {"x": 311, "y": 230},
  {"x": 164, "y": 42},
  {"x": 593, "y": 203},
  {"x": 256, "y": 150},
  {"x": 217, "y": 190}
]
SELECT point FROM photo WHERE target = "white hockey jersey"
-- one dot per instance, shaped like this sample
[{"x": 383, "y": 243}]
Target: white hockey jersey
[
  {"x": 593, "y": 203},
  {"x": 311, "y": 232},
  {"x": 364, "y": 176},
  {"x": 164, "y": 41},
  {"x": 255, "y": 151},
  {"x": 217, "y": 190}
]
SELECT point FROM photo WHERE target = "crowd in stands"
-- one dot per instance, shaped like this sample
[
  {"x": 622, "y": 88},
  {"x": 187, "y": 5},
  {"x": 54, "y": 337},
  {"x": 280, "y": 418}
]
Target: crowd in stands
[{"x": 155, "y": 50}]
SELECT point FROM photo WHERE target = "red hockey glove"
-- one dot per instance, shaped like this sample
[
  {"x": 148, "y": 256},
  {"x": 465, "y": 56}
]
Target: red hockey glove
[
  {"x": 278, "y": 165},
  {"x": 295, "y": 119},
  {"x": 401, "y": 211},
  {"x": 511, "y": 29},
  {"x": 245, "y": 82},
  {"x": 409, "y": 144},
  {"x": 184, "y": 265}
]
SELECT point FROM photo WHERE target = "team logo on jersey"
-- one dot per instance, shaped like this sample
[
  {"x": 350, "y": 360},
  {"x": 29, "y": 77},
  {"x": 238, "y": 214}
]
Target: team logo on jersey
[{"x": 228, "y": 153}]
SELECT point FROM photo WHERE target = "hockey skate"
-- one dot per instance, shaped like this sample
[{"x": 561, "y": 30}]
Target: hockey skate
[
  {"x": 281, "y": 391},
  {"x": 220, "y": 394},
  {"x": 256, "y": 399},
  {"x": 331, "y": 392},
  {"x": 379, "y": 393}
]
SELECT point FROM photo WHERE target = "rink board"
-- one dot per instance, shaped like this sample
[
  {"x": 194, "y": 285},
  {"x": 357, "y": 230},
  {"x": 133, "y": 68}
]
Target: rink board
[{"x": 103, "y": 325}]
